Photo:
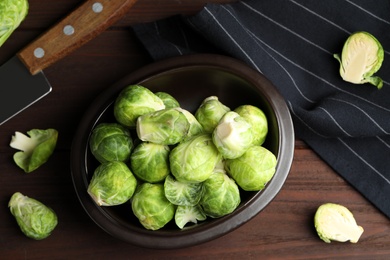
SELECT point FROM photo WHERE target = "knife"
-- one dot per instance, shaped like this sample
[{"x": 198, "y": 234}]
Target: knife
[{"x": 22, "y": 79}]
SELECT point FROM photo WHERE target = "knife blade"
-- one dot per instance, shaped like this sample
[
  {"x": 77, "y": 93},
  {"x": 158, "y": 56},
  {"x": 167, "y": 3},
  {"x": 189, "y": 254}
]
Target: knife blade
[{"x": 23, "y": 81}]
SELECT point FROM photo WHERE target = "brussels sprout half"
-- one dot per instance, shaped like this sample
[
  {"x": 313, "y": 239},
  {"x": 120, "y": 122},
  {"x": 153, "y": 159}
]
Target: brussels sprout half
[
  {"x": 36, "y": 220},
  {"x": 12, "y": 13},
  {"x": 361, "y": 56},
  {"x": 335, "y": 222}
]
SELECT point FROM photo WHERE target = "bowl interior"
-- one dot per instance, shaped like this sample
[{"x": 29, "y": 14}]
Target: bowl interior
[{"x": 190, "y": 84}]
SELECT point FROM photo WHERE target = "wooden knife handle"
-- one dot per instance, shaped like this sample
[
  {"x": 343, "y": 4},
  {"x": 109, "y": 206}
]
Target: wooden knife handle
[{"x": 83, "y": 24}]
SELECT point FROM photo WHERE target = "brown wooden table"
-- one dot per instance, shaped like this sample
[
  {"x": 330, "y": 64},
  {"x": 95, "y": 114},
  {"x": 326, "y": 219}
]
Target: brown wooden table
[{"x": 284, "y": 229}]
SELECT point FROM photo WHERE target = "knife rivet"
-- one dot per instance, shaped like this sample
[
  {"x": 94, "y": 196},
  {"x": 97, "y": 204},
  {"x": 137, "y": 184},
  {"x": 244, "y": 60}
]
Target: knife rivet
[
  {"x": 68, "y": 30},
  {"x": 97, "y": 7},
  {"x": 39, "y": 53}
]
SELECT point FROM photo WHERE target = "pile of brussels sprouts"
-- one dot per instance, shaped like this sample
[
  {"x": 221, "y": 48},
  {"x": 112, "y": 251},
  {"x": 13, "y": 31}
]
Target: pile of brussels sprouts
[{"x": 181, "y": 166}]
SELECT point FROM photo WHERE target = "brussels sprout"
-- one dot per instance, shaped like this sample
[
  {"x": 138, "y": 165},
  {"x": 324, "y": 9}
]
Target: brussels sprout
[
  {"x": 35, "y": 149},
  {"x": 254, "y": 169},
  {"x": 36, "y": 220},
  {"x": 361, "y": 56},
  {"x": 167, "y": 127},
  {"x": 210, "y": 112},
  {"x": 221, "y": 195},
  {"x": 258, "y": 121},
  {"x": 185, "y": 214},
  {"x": 195, "y": 127},
  {"x": 194, "y": 159},
  {"x": 12, "y": 13},
  {"x": 182, "y": 193},
  {"x": 168, "y": 100},
  {"x": 150, "y": 162},
  {"x": 151, "y": 207},
  {"x": 232, "y": 136},
  {"x": 112, "y": 184},
  {"x": 111, "y": 142},
  {"x": 134, "y": 101},
  {"x": 335, "y": 222}
]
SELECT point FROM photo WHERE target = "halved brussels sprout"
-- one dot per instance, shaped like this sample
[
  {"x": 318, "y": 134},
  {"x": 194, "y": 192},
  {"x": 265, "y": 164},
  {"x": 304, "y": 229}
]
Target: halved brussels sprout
[
  {"x": 182, "y": 193},
  {"x": 210, "y": 112},
  {"x": 253, "y": 170},
  {"x": 167, "y": 127},
  {"x": 12, "y": 13},
  {"x": 36, "y": 220},
  {"x": 258, "y": 121},
  {"x": 185, "y": 214},
  {"x": 151, "y": 207},
  {"x": 361, "y": 56},
  {"x": 112, "y": 184},
  {"x": 335, "y": 222},
  {"x": 111, "y": 142},
  {"x": 232, "y": 136},
  {"x": 134, "y": 101},
  {"x": 194, "y": 159},
  {"x": 221, "y": 195},
  {"x": 150, "y": 162}
]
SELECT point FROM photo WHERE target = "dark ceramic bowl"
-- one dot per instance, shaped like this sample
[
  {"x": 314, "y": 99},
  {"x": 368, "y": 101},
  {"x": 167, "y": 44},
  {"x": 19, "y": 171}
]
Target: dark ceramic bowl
[{"x": 190, "y": 79}]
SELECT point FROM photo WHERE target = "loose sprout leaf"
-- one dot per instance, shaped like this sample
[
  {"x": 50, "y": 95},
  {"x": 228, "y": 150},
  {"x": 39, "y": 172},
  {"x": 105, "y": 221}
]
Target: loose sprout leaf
[
  {"x": 335, "y": 222},
  {"x": 361, "y": 57},
  {"x": 186, "y": 214}
]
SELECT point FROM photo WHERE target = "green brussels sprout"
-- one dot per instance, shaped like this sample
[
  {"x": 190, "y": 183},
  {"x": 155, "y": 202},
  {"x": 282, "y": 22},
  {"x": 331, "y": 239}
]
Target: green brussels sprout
[
  {"x": 194, "y": 159},
  {"x": 134, "y": 101},
  {"x": 335, "y": 222},
  {"x": 232, "y": 136},
  {"x": 362, "y": 55},
  {"x": 112, "y": 184},
  {"x": 167, "y": 127},
  {"x": 221, "y": 195},
  {"x": 185, "y": 214},
  {"x": 253, "y": 170},
  {"x": 168, "y": 100},
  {"x": 182, "y": 193},
  {"x": 36, "y": 220},
  {"x": 35, "y": 149},
  {"x": 111, "y": 142},
  {"x": 150, "y": 162},
  {"x": 195, "y": 127},
  {"x": 210, "y": 112},
  {"x": 151, "y": 207},
  {"x": 258, "y": 121},
  {"x": 12, "y": 13}
]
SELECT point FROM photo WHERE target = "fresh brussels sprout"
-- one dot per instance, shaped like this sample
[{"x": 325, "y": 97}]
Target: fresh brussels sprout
[
  {"x": 150, "y": 162},
  {"x": 35, "y": 149},
  {"x": 335, "y": 222},
  {"x": 134, "y": 101},
  {"x": 151, "y": 207},
  {"x": 168, "y": 100},
  {"x": 253, "y": 170},
  {"x": 12, "y": 13},
  {"x": 258, "y": 121},
  {"x": 36, "y": 220},
  {"x": 361, "y": 56},
  {"x": 185, "y": 214},
  {"x": 232, "y": 136},
  {"x": 111, "y": 142},
  {"x": 195, "y": 127},
  {"x": 182, "y": 193},
  {"x": 194, "y": 159},
  {"x": 210, "y": 112},
  {"x": 112, "y": 184},
  {"x": 221, "y": 195},
  {"x": 167, "y": 127}
]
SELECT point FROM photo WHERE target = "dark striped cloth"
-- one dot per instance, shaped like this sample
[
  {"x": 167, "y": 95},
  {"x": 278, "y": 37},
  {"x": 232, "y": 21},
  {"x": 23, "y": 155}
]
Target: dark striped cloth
[{"x": 292, "y": 43}]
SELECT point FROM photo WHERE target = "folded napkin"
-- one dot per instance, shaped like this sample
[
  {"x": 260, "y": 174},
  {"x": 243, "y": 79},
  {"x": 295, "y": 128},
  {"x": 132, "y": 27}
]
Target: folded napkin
[{"x": 292, "y": 43}]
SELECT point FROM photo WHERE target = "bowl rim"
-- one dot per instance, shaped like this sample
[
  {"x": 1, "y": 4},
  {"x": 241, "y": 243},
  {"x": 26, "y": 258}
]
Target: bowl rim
[{"x": 219, "y": 227}]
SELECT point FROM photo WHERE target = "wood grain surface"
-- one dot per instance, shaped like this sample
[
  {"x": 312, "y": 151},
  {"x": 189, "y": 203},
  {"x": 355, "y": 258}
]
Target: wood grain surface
[{"x": 283, "y": 230}]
